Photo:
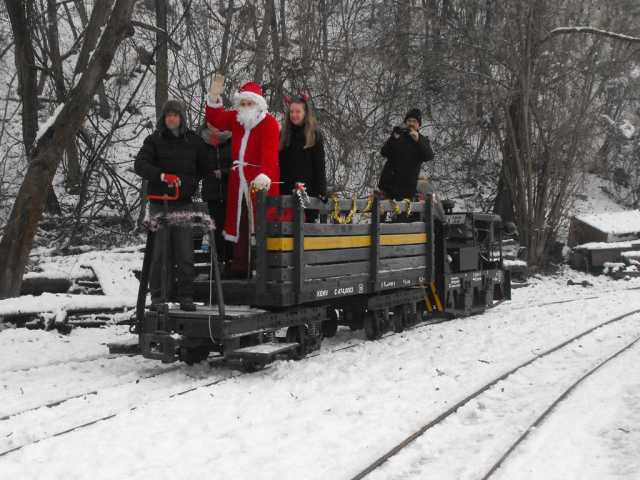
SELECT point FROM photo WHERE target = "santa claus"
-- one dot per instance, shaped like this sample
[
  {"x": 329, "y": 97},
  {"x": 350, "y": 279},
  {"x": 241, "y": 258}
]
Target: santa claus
[{"x": 255, "y": 136}]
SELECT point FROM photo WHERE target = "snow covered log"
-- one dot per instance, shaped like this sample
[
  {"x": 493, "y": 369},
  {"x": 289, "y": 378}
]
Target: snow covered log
[
  {"x": 29, "y": 306},
  {"x": 39, "y": 285}
]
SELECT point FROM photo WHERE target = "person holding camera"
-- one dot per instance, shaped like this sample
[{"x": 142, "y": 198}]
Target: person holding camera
[{"x": 405, "y": 150}]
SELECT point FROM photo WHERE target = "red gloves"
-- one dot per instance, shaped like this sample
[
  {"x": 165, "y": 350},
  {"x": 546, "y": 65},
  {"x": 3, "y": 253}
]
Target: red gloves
[{"x": 170, "y": 178}]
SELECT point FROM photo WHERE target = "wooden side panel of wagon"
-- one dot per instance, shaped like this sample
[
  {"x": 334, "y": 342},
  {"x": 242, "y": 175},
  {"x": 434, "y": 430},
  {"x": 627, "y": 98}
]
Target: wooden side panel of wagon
[{"x": 300, "y": 262}]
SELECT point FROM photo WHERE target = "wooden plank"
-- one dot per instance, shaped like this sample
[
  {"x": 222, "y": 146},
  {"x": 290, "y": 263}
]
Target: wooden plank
[
  {"x": 430, "y": 246},
  {"x": 285, "y": 259},
  {"x": 374, "y": 260},
  {"x": 407, "y": 239},
  {"x": 261, "y": 244},
  {"x": 281, "y": 294},
  {"x": 286, "y": 244},
  {"x": 278, "y": 229},
  {"x": 313, "y": 272},
  {"x": 299, "y": 243},
  {"x": 358, "y": 284}
]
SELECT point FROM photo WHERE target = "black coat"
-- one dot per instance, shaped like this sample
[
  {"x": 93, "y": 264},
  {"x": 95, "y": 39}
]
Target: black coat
[
  {"x": 306, "y": 165},
  {"x": 218, "y": 158},
  {"x": 405, "y": 156},
  {"x": 163, "y": 152}
]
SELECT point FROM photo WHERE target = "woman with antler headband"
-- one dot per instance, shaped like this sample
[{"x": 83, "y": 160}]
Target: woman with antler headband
[{"x": 302, "y": 151}]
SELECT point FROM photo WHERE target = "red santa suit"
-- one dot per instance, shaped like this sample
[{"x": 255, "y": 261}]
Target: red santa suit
[{"x": 255, "y": 140}]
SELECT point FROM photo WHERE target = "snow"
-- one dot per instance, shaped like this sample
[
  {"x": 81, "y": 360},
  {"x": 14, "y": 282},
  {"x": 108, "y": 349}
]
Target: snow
[
  {"x": 56, "y": 302},
  {"x": 327, "y": 416},
  {"x": 44, "y": 126},
  {"x": 113, "y": 269},
  {"x": 116, "y": 276},
  {"x": 606, "y": 408},
  {"x": 593, "y": 198},
  {"x": 467, "y": 444},
  {"x": 627, "y": 129},
  {"x": 514, "y": 263},
  {"x": 606, "y": 245},
  {"x": 614, "y": 223}
]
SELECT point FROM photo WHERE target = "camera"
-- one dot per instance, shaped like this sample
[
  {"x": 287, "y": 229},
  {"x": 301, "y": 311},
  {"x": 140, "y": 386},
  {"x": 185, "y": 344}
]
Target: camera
[{"x": 401, "y": 130}]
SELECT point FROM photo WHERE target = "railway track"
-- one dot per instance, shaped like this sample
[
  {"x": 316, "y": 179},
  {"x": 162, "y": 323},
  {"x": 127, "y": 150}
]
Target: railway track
[
  {"x": 406, "y": 442},
  {"x": 60, "y": 401},
  {"x": 96, "y": 392},
  {"x": 552, "y": 407},
  {"x": 90, "y": 358},
  {"x": 183, "y": 391}
]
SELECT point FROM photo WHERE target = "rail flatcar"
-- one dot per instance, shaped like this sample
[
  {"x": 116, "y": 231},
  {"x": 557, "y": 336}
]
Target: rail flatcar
[{"x": 309, "y": 278}]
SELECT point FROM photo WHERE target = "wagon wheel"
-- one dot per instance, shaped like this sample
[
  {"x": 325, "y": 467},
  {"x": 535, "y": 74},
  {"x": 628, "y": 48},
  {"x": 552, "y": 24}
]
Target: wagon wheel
[
  {"x": 488, "y": 295},
  {"x": 400, "y": 318},
  {"x": 372, "y": 325},
  {"x": 330, "y": 326},
  {"x": 250, "y": 367},
  {"x": 192, "y": 355},
  {"x": 297, "y": 334},
  {"x": 354, "y": 317}
]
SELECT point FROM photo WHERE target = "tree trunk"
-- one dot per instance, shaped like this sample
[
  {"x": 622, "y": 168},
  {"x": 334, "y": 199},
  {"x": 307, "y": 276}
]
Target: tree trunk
[
  {"x": 261, "y": 45},
  {"x": 73, "y": 171},
  {"x": 162, "y": 57},
  {"x": 20, "y": 13},
  {"x": 276, "y": 80},
  {"x": 30, "y": 201},
  {"x": 21, "y": 17},
  {"x": 105, "y": 108},
  {"x": 226, "y": 36},
  {"x": 99, "y": 16}
]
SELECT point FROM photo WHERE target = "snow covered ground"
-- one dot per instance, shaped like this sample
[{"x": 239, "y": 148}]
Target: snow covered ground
[{"x": 329, "y": 416}]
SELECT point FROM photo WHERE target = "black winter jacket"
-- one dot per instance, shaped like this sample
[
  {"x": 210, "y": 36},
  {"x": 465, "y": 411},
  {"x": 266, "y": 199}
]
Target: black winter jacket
[
  {"x": 399, "y": 177},
  {"x": 184, "y": 156},
  {"x": 218, "y": 158},
  {"x": 306, "y": 165}
]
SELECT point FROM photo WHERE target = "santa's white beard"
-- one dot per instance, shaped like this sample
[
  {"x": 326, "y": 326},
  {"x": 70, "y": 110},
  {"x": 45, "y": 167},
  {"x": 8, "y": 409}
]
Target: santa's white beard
[{"x": 249, "y": 117}]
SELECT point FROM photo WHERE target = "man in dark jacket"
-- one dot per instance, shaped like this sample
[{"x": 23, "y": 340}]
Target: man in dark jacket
[
  {"x": 214, "y": 184},
  {"x": 405, "y": 150},
  {"x": 173, "y": 155}
]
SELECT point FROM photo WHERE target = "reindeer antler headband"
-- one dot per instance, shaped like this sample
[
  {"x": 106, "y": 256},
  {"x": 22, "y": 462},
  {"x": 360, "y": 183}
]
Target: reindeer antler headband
[{"x": 300, "y": 98}]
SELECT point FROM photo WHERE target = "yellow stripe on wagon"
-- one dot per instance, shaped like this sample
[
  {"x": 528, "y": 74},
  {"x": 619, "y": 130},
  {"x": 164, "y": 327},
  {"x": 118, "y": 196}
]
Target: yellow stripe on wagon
[{"x": 285, "y": 244}]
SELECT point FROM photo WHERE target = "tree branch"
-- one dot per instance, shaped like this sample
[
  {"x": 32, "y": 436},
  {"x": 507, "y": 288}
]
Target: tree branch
[{"x": 592, "y": 31}]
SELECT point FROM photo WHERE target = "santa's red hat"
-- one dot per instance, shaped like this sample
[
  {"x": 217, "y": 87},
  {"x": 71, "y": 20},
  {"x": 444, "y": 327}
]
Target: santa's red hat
[{"x": 251, "y": 91}]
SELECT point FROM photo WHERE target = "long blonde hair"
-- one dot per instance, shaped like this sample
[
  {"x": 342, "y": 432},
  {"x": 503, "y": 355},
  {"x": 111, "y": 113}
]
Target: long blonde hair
[{"x": 310, "y": 125}]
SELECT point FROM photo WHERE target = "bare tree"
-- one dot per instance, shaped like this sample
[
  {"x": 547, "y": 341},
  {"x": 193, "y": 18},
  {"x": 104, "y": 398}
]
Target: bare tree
[{"x": 30, "y": 201}]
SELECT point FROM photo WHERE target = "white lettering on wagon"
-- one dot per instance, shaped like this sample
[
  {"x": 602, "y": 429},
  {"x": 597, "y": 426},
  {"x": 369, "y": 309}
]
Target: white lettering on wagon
[
  {"x": 343, "y": 291},
  {"x": 322, "y": 293},
  {"x": 388, "y": 284}
]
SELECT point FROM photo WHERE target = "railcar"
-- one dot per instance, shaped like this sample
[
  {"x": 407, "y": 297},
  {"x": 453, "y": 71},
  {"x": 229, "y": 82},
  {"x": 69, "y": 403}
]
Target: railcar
[{"x": 309, "y": 278}]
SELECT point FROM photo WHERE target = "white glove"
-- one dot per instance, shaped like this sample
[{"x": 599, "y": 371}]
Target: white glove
[{"x": 261, "y": 182}]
